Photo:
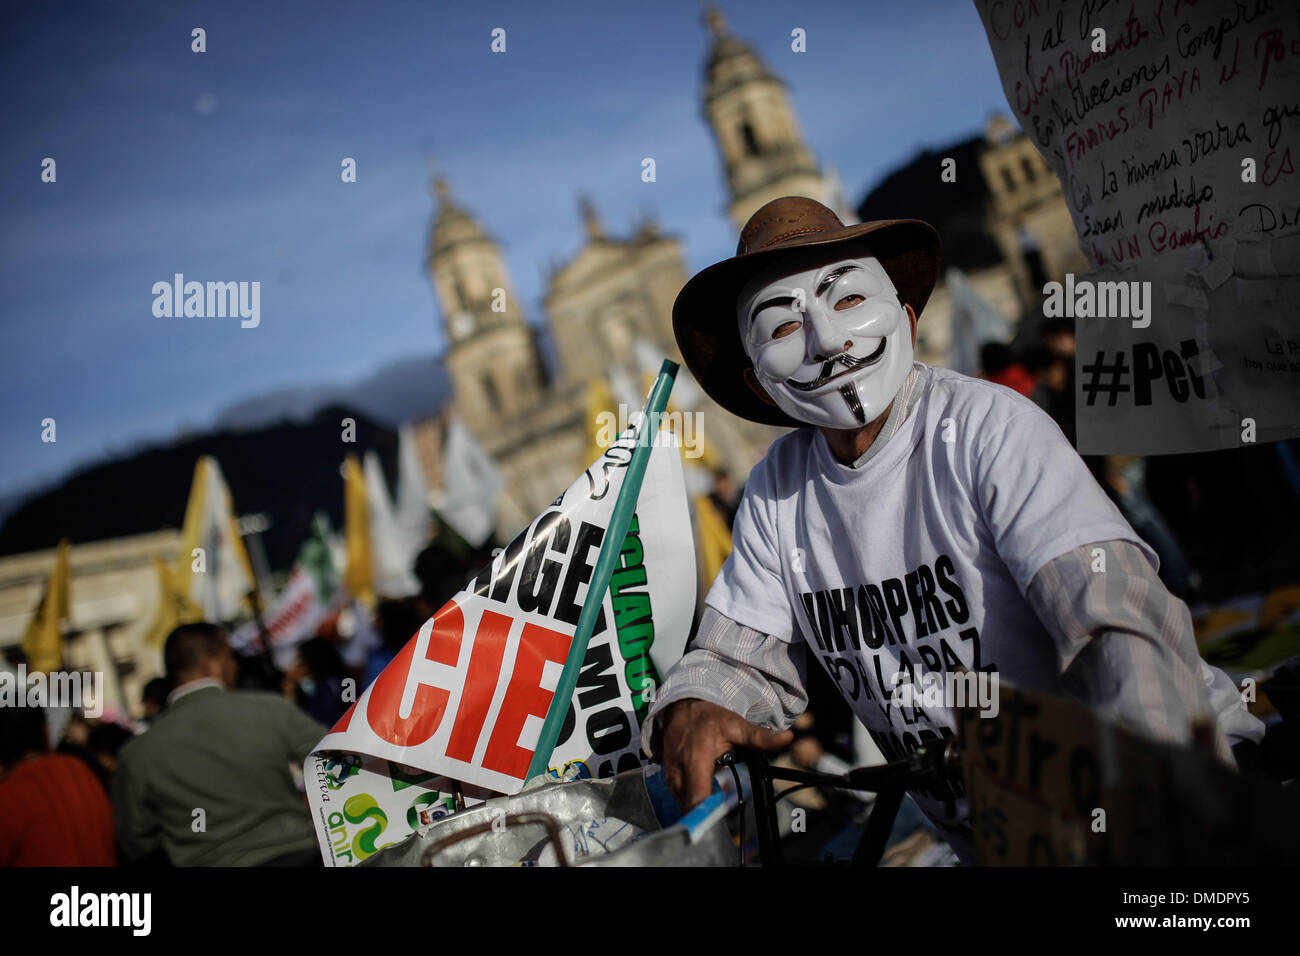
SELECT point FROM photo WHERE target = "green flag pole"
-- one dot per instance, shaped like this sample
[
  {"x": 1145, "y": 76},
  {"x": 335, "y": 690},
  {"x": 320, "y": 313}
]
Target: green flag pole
[{"x": 624, "y": 505}]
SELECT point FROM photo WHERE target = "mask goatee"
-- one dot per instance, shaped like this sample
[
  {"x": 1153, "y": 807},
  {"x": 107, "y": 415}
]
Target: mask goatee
[{"x": 849, "y": 393}]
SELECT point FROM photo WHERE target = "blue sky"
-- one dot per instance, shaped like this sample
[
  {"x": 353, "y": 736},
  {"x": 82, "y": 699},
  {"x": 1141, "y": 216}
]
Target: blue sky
[{"x": 225, "y": 166}]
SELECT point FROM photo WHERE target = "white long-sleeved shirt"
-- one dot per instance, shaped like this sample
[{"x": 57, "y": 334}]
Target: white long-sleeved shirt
[{"x": 1118, "y": 641}]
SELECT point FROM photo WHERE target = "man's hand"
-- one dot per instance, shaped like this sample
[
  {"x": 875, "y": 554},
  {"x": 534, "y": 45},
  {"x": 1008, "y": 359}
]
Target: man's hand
[{"x": 695, "y": 734}]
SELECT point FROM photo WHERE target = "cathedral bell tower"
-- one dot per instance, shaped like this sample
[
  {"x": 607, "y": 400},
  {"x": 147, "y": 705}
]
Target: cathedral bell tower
[
  {"x": 492, "y": 354},
  {"x": 763, "y": 152}
]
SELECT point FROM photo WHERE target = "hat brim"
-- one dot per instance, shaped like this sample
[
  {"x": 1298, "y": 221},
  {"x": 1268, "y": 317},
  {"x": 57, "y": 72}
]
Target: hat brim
[{"x": 708, "y": 331}]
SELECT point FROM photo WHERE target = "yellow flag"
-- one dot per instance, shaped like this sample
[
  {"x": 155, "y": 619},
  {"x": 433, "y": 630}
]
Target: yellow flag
[
  {"x": 359, "y": 576},
  {"x": 175, "y": 607},
  {"x": 43, "y": 642},
  {"x": 600, "y": 400},
  {"x": 212, "y": 567},
  {"x": 715, "y": 538}
]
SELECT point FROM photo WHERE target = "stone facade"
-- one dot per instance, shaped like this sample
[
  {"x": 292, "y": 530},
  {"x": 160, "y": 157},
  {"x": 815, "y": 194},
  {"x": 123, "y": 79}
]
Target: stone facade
[
  {"x": 1029, "y": 212},
  {"x": 114, "y": 599},
  {"x": 615, "y": 295}
]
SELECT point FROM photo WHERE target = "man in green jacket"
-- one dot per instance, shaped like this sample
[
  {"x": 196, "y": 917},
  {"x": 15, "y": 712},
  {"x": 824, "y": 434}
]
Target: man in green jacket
[{"x": 209, "y": 784}]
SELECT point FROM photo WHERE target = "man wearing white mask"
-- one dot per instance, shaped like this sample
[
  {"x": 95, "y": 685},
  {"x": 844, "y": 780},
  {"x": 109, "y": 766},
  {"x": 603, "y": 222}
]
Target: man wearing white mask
[{"x": 916, "y": 522}]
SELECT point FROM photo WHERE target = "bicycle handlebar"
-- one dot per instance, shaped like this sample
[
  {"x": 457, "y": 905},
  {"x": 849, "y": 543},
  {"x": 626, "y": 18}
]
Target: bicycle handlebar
[{"x": 926, "y": 763}]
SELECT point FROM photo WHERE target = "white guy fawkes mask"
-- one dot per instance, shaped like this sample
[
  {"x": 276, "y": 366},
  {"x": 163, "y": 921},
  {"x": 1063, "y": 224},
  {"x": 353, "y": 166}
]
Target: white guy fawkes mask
[{"x": 831, "y": 345}]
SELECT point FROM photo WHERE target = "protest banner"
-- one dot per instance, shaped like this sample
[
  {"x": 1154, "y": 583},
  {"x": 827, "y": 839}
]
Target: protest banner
[
  {"x": 310, "y": 595},
  {"x": 362, "y": 804},
  {"x": 294, "y": 618},
  {"x": 1174, "y": 129},
  {"x": 618, "y": 527},
  {"x": 466, "y": 698},
  {"x": 1052, "y": 784}
]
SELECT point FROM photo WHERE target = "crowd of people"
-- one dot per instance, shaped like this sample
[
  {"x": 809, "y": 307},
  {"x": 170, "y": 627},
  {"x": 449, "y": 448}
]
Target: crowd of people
[{"x": 210, "y": 774}]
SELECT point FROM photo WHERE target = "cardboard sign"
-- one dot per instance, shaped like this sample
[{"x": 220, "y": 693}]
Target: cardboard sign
[
  {"x": 466, "y": 698},
  {"x": 1050, "y": 784},
  {"x": 1175, "y": 131}
]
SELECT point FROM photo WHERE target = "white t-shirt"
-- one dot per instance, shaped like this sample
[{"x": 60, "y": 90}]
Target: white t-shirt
[{"x": 919, "y": 559}]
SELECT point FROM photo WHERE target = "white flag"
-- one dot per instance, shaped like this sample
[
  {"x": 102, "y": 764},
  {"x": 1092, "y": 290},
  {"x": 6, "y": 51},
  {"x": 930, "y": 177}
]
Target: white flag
[
  {"x": 411, "y": 510},
  {"x": 394, "y": 577},
  {"x": 472, "y": 483}
]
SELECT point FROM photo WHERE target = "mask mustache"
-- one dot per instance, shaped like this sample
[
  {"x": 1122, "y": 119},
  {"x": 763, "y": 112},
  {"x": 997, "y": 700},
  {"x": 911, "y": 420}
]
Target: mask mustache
[{"x": 850, "y": 362}]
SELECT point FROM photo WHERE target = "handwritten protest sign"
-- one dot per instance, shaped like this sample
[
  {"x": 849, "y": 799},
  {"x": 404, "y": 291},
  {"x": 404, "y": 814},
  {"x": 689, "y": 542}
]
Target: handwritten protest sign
[
  {"x": 1174, "y": 127},
  {"x": 466, "y": 698},
  {"x": 1051, "y": 784}
]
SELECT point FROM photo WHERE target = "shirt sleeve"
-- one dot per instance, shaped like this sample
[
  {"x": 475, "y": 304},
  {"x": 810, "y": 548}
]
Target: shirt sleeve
[
  {"x": 750, "y": 589},
  {"x": 1038, "y": 498},
  {"x": 1238, "y": 723},
  {"x": 1125, "y": 646},
  {"x": 750, "y": 673}
]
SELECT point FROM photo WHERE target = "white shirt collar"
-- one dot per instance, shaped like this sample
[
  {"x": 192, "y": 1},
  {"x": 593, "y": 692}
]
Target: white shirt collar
[
  {"x": 190, "y": 686},
  {"x": 901, "y": 408}
]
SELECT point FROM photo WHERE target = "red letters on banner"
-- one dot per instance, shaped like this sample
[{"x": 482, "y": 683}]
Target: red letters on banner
[
  {"x": 383, "y": 709},
  {"x": 480, "y": 684},
  {"x": 524, "y": 697}
]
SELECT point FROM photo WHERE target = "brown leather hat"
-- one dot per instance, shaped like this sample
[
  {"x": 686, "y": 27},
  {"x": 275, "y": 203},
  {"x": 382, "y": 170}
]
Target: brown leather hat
[{"x": 704, "y": 315}]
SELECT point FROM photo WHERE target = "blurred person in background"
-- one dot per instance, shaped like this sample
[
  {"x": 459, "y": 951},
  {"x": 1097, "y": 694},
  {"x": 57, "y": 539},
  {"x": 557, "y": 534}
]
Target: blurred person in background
[
  {"x": 1058, "y": 336},
  {"x": 210, "y": 784},
  {"x": 74, "y": 741},
  {"x": 153, "y": 698},
  {"x": 53, "y": 811},
  {"x": 726, "y": 496},
  {"x": 1002, "y": 368},
  {"x": 315, "y": 682},
  {"x": 256, "y": 672},
  {"x": 397, "y": 622},
  {"x": 1048, "y": 374},
  {"x": 106, "y": 740},
  {"x": 442, "y": 572},
  {"x": 1053, "y": 374},
  {"x": 75, "y": 737}
]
